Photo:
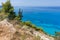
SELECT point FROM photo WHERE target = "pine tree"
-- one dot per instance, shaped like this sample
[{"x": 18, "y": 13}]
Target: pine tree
[
  {"x": 19, "y": 17},
  {"x": 8, "y": 8}
]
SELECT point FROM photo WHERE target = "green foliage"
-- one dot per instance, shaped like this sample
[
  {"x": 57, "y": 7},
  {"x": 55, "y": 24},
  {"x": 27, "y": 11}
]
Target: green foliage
[
  {"x": 0, "y": 10},
  {"x": 37, "y": 28},
  {"x": 12, "y": 15},
  {"x": 8, "y": 8},
  {"x": 19, "y": 17},
  {"x": 28, "y": 23},
  {"x": 57, "y": 35}
]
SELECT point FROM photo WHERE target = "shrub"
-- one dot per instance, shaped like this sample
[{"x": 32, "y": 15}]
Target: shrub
[
  {"x": 28, "y": 23},
  {"x": 8, "y": 8}
]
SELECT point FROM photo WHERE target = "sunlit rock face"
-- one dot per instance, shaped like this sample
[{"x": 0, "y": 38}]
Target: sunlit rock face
[{"x": 6, "y": 30}]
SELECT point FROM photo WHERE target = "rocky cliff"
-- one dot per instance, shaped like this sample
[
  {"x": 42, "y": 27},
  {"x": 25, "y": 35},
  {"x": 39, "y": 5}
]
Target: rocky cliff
[{"x": 9, "y": 31}]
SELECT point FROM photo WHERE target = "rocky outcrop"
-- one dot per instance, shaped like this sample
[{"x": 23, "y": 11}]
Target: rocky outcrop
[{"x": 8, "y": 31}]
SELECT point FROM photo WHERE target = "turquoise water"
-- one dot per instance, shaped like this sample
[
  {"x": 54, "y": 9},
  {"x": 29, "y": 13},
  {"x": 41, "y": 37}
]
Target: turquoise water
[{"x": 47, "y": 18}]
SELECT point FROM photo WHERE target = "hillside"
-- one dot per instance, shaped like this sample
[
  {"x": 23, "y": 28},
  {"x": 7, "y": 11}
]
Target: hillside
[{"x": 9, "y": 31}]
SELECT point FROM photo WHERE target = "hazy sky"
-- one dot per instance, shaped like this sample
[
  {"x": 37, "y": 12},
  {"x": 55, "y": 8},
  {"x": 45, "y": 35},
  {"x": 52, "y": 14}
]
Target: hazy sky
[{"x": 34, "y": 2}]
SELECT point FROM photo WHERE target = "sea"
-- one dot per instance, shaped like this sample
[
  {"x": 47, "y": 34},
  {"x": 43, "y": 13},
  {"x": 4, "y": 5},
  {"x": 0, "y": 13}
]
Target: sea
[{"x": 46, "y": 17}]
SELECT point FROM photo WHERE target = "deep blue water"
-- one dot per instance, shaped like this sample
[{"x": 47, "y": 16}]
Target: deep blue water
[{"x": 46, "y": 17}]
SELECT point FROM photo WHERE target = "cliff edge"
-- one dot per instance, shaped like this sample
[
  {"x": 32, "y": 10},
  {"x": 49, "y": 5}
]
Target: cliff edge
[{"x": 9, "y": 31}]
